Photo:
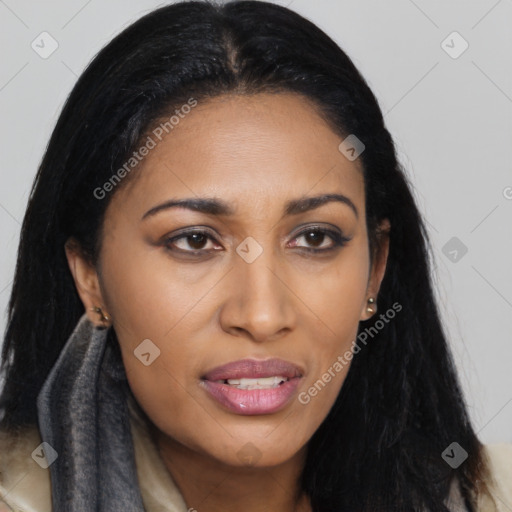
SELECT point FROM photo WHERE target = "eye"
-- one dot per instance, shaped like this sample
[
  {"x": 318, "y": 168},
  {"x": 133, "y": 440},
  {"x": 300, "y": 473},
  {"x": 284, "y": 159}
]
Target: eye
[
  {"x": 194, "y": 242},
  {"x": 317, "y": 239},
  {"x": 191, "y": 241}
]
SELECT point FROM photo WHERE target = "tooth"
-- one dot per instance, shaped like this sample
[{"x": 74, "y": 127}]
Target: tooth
[{"x": 258, "y": 383}]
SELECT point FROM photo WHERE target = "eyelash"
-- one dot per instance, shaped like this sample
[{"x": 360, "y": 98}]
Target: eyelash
[{"x": 338, "y": 240}]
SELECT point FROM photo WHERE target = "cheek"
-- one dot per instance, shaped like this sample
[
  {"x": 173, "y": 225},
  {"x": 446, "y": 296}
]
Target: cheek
[
  {"x": 162, "y": 372},
  {"x": 145, "y": 291},
  {"x": 336, "y": 297},
  {"x": 337, "y": 302},
  {"x": 161, "y": 387},
  {"x": 151, "y": 308}
]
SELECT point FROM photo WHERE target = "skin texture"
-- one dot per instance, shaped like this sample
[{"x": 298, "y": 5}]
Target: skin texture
[{"x": 256, "y": 153}]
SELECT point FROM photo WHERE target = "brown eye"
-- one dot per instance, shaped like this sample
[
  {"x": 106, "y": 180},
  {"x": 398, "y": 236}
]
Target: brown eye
[
  {"x": 319, "y": 239},
  {"x": 314, "y": 238},
  {"x": 196, "y": 240},
  {"x": 192, "y": 242}
]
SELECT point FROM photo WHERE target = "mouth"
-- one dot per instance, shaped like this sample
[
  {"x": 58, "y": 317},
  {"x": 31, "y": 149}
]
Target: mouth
[
  {"x": 258, "y": 383},
  {"x": 251, "y": 387}
]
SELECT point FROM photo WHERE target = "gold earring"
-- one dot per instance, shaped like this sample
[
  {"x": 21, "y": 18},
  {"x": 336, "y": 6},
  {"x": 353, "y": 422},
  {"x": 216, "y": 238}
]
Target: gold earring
[
  {"x": 371, "y": 300},
  {"x": 104, "y": 317}
]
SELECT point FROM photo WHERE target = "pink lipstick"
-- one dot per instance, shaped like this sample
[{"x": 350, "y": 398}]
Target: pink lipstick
[{"x": 251, "y": 387}]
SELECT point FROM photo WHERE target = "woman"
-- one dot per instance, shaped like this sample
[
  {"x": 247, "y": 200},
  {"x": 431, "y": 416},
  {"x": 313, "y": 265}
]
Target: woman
[{"x": 223, "y": 297}]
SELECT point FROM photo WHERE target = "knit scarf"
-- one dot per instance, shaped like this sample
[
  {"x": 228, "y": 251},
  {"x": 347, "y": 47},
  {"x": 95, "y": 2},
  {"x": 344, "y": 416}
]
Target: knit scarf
[{"x": 83, "y": 415}]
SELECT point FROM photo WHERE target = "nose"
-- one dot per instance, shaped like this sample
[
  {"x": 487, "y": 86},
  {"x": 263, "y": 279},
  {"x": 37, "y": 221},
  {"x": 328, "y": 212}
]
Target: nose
[{"x": 259, "y": 304}]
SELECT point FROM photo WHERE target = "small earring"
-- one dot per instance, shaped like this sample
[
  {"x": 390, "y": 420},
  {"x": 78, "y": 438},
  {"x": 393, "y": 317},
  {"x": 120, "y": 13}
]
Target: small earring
[
  {"x": 104, "y": 317},
  {"x": 371, "y": 300}
]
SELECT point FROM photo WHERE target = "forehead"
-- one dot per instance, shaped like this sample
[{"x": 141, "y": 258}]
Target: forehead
[{"x": 247, "y": 149}]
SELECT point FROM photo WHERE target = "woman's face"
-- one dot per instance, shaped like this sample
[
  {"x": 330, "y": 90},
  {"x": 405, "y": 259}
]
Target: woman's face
[{"x": 263, "y": 280}]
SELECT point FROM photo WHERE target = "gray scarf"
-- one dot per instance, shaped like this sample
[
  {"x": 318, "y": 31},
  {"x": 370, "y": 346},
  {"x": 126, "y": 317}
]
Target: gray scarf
[{"x": 83, "y": 415}]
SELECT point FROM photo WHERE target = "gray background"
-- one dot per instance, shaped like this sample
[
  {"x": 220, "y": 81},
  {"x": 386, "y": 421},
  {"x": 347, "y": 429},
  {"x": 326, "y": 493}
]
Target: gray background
[{"x": 451, "y": 119}]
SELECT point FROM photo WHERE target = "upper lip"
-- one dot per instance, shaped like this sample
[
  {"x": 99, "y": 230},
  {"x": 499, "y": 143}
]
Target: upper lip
[{"x": 253, "y": 368}]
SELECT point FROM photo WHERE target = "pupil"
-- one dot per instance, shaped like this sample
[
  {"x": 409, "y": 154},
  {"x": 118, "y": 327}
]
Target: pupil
[{"x": 315, "y": 237}]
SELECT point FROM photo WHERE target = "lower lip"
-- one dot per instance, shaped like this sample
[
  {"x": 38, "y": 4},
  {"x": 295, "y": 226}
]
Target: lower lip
[{"x": 252, "y": 401}]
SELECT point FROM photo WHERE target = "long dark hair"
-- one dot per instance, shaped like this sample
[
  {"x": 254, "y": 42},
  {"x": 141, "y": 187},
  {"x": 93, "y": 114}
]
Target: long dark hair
[{"x": 401, "y": 405}]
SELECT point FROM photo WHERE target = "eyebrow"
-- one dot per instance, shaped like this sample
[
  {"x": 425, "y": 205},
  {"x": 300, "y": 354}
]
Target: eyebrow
[{"x": 214, "y": 206}]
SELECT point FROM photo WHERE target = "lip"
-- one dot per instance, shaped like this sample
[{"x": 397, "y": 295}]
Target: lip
[
  {"x": 253, "y": 368},
  {"x": 253, "y": 401}
]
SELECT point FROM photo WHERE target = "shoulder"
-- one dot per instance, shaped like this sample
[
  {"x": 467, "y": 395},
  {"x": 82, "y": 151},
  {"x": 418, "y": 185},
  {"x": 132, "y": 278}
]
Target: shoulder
[
  {"x": 499, "y": 480},
  {"x": 24, "y": 480}
]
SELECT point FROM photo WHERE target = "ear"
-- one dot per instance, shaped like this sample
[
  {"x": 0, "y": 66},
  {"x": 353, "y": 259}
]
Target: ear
[
  {"x": 380, "y": 258},
  {"x": 86, "y": 282}
]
